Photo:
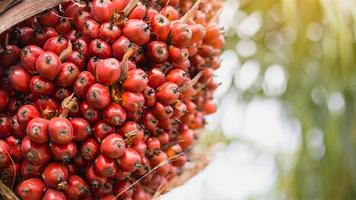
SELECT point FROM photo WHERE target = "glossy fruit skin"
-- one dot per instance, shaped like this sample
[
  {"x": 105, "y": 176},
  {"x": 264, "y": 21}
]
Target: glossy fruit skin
[
  {"x": 100, "y": 49},
  {"x": 48, "y": 65},
  {"x": 52, "y": 194},
  {"x": 35, "y": 153},
  {"x": 130, "y": 160},
  {"x": 114, "y": 115},
  {"x": 132, "y": 132},
  {"x": 102, "y": 10},
  {"x": 67, "y": 75},
  {"x": 49, "y": 18},
  {"x": 150, "y": 96},
  {"x": 4, "y": 100},
  {"x": 82, "y": 84},
  {"x": 55, "y": 45},
  {"x": 137, "y": 31},
  {"x": 160, "y": 26},
  {"x": 31, "y": 189},
  {"x": 109, "y": 32},
  {"x": 95, "y": 180},
  {"x": 120, "y": 47},
  {"x": 4, "y": 154},
  {"x": 157, "y": 51},
  {"x": 88, "y": 112},
  {"x": 77, "y": 188},
  {"x": 181, "y": 33},
  {"x": 101, "y": 130},
  {"x": 81, "y": 129},
  {"x": 113, "y": 146},
  {"x": 64, "y": 152},
  {"x": 98, "y": 96},
  {"x": 40, "y": 86},
  {"x": 108, "y": 71},
  {"x": 168, "y": 93},
  {"x": 25, "y": 114},
  {"x": 19, "y": 79},
  {"x": 60, "y": 130},
  {"x": 136, "y": 81},
  {"x": 29, "y": 170},
  {"x": 91, "y": 29},
  {"x": 105, "y": 167},
  {"x": 132, "y": 102},
  {"x": 89, "y": 149},
  {"x": 29, "y": 55},
  {"x": 37, "y": 130},
  {"x": 54, "y": 175},
  {"x": 5, "y": 126},
  {"x": 14, "y": 147}
]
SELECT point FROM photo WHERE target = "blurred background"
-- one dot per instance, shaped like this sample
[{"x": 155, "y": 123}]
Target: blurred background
[{"x": 286, "y": 123}]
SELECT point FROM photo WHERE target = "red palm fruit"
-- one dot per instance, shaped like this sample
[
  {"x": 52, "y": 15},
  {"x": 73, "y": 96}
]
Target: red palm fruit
[
  {"x": 151, "y": 12},
  {"x": 101, "y": 130},
  {"x": 10, "y": 173},
  {"x": 4, "y": 154},
  {"x": 156, "y": 77},
  {"x": 132, "y": 132},
  {"x": 49, "y": 18},
  {"x": 52, "y": 194},
  {"x": 136, "y": 81},
  {"x": 102, "y": 10},
  {"x": 140, "y": 194},
  {"x": 209, "y": 107},
  {"x": 132, "y": 102},
  {"x": 55, "y": 175},
  {"x": 140, "y": 147},
  {"x": 157, "y": 51},
  {"x": 13, "y": 104},
  {"x": 89, "y": 113},
  {"x": 104, "y": 190},
  {"x": 23, "y": 34},
  {"x": 180, "y": 109},
  {"x": 40, "y": 86},
  {"x": 162, "y": 111},
  {"x": 158, "y": 158},
  {"x": 5, "y": 126},
  {"x": 67, "y": 75},
  {"x": 119, "y": 5},
  {"x": 108, "y": 71},
  {"x": 193, "y": 50},
  {"x": 81, "y": 18},
  {"x": 177, "y": 76},
  {"x": 168, "y": 93},
  {"x": 100, "y": 49},
  {"x": 98, "y": 96},
  {"x": 130, "y": 161},
  {"x": 47, "y": 106},
  {"x": 35, "y": 153},
  {"x": 91, "y": 29},
  {"x": 178, "y": 54},
  {"x": 89, "y": 149},
  {"x": 149, "y": 121},
  {"x": 157, "y": 182},
  {"x": 29, "y": 170},
  {"x": 166, "y": 124},
  {"x": 79, "y": 161},
  {"x": 114, "y": 115},
  {"x": 180, "y": 161},
  {"x": 60, "y": 130},
  {"x": 82, "y": 84},
  {"x": 37, "y": 130},
  {"x": 112, "y": 146},
  {"x": 81, "y": 128},
  {"x": 9, "y": 56},
  {"x": 105, "y": 167},
  {"x": 160, "y": 26},
  {"x": 29, "y": 55},
  {"x": 31, "y": 189},
  {"x": 81, "y": 46},
  {"x": 92, "y": 63},
  {"x": 72, "y": 169},
  {"x": 19, "y": 79},
  {"x": 153, "y": 145},
  {"x": 95, "y": 180},
  {"x": 164, "y": 138},
  {"x": 60, "y": 94},
  {"x": 198, "y": 33},
  {"x": 72, "y": 35},
  {"x": 108, "y": 197},
  {"x": 109, "y": 32},
  {"x": 137, "y": 31},
  {"x": 76, "y": 58},
  {"x": 173, "y": 150},
  {"x": 123, "y": 189},
  {"x": 56, "y": 45},
  {"x": 144, "y": 168},
  {"x": 184, "y": 65},
  {"x": 170, "y": 12},
  {"x": 77, "y": 188},
  {"x": 4, "y": 100},
  {"x": 48, "y": 65},
  {"x": 15, "y": 147},
  {"x": 186, "y": 139},
  {"x": 139, "y": 12},
  {"x": 181, "y": 33},
  {"x": 150, "y": 96},
  {"x": 212, "y": 33},
  {"x": 63, "y": 25},
  {"x": 120, "y": 47},
  {"x": 64, "y": 152},
  {"x": 25, "y": 114},
  {"x": 16, "y": 128},
  {"x": 42, "y": 34}
]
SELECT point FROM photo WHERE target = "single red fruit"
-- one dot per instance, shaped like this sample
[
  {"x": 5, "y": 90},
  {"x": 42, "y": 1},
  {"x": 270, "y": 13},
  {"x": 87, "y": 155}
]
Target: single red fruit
[
  {"x": 136, "y": 81},
  {"x": 89, "y": 149},
  {"x": 89, "y": 113},
  {"x": 120, "y": 47},
  {"x": 132, "y": 102},
  {"x": 40, "y": 86},
  {"x": 168, "y": 93},
  {"x": 82, "y": 84},
  {"x": 52, "y": 194},
  {"x": 157, "y": 51},
  {"x": 105, "y": 167},
  {"x": 56, "y": 45},
  {"x": 64, "y": 152},
  {"x": 113, "y": 146},
  {"x": 67, "y": 75},
  {"x": 91, "y": 29},
  {"x": 77, "y": 188},
  {"x": 98, "y": 96},
  {"x": 5, "y": 126},
  {"x": 29, "y": 170},
  {"x": 4, "y": 154},
  {"x": 109, "y": 32},
  {"x": 19, "y": 79},
  {"x": 37, "y": 130},
  {"x": 31, "y": 189},
  {"x": 137, "y": 31},
  {"x": 160, "y": 27},
  {"x": 102, "y": 10},
  {"x": 25, "y": 114},
  {"x": 156, "y": 77},
  {"x": 63, "y": 25},
  {"x": 15, "y": 147},
  {"x": 48, "y": 65},
  {"x": 60, "y": 130},
  {"x": 100, "y": 49},
  {"x": 35, "y": 153},
  {"x": 95, "y": 180},
  {"x": 29, "y": 55},
  {"x": 101, "y": 130},
  {"x": 150, "y": 96},
  {"x": 132, "y": 132},
  {"x": 130, "y": 161},
  {"x": 81, "y": 128},
  {"x": 108, "y": 71},
  {"x": 9, "y": 56},
  {"x": 114, "y": 115},
  {"x": 49, "y": 18},
  {"x": 181, "y": 33},
  {"x": 55, "y": 175}
]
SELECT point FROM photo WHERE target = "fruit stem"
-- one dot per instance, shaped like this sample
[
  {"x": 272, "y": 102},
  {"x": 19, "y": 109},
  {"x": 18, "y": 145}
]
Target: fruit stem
[
  {"x": 129, "y": 7},
  {"x": 192, "y": 82},
  {"x": 68, "y": 104},
  {"x": 65, "y": 53},
  {"x": 124, "y": 63},
  {"x": 188, "y": 15}
]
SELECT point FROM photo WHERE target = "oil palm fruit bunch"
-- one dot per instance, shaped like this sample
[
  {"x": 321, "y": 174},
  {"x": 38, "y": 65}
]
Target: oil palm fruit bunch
[{"x": 102, "y": 99}]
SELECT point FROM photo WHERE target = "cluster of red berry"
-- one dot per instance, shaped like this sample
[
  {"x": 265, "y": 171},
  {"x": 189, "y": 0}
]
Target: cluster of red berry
[{"x": 97, "y": 95}]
